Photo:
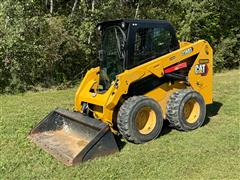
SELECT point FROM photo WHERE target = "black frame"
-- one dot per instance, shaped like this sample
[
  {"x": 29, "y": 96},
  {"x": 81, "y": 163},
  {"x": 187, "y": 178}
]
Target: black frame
[{"x": 133, "y": 26}]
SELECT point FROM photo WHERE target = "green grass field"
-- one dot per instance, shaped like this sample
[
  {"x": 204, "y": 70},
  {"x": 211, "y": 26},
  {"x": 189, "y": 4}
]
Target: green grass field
[{"x": 210, "y": 152}]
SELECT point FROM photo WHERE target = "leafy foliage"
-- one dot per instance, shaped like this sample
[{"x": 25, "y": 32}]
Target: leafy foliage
[{"x": 50, "y": 42}]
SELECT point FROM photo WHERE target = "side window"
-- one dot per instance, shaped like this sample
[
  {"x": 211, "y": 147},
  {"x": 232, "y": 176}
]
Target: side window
[{"x": 151, "y": 43}]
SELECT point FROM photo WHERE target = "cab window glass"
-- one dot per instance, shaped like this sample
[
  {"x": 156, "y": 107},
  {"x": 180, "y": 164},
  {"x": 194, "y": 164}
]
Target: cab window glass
[{"x": 151, "y": 43}]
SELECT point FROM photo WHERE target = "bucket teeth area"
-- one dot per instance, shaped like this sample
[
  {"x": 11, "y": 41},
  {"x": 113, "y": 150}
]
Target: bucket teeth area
[{"x": 72, "y": 137}]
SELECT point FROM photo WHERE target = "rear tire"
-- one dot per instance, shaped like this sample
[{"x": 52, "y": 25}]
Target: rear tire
[
  {"x": 140, "y": 119},
  {"x": 186, "y": 110}
]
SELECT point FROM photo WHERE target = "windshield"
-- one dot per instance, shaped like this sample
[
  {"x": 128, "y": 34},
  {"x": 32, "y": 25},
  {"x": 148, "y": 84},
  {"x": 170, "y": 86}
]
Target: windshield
[{"x": 112, "y": 54}]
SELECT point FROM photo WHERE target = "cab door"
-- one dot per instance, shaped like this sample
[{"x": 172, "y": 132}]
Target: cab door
[{"x": 150, "y": 41}]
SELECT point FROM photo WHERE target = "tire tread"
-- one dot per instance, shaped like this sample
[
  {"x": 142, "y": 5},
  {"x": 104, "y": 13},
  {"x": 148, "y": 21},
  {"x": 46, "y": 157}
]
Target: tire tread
[{"x": 173, "y": 108}]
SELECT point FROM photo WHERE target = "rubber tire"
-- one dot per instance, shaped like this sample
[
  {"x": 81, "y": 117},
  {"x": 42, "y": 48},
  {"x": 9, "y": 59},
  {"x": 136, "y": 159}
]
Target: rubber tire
[
  {"x": 175, "y": 109},
  {"x": 126, "y": 121}
]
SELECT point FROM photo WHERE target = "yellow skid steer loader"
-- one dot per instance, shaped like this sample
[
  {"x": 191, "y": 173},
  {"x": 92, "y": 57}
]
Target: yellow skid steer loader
[{"x": 145, "y": 76}]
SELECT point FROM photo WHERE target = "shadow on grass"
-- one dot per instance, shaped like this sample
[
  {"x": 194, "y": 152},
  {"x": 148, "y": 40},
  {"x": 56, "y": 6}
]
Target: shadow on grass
[
  {"x": 120, "y": 142},
  {"x": 166, "y": 128},
  {"x": 212, "y": 110}
]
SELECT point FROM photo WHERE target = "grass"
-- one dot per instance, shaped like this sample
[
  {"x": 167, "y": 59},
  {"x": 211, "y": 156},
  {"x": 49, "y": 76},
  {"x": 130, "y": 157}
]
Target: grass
[{"x": 210, "y": 152}]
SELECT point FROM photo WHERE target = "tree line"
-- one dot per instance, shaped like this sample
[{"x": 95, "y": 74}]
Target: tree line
[{"x": 46, "y": 43}]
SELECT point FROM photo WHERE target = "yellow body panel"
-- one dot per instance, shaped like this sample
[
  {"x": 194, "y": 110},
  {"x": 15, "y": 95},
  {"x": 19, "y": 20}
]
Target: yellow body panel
[
  {"x": 110, "y": 99},
  {"x": 163, "y": 92}
]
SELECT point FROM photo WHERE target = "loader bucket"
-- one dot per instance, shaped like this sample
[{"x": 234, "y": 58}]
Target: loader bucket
[{"x": 72, "y": 137}]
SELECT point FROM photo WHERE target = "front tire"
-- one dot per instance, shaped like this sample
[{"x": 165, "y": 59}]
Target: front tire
[{"x": 140, "y": 119}]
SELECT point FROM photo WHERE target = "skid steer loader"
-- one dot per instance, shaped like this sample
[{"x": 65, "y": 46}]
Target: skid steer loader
[{"x": 145, "y": 76}]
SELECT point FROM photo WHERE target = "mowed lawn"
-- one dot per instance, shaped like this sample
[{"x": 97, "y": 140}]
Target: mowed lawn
[{"x": 211, "y": 151}]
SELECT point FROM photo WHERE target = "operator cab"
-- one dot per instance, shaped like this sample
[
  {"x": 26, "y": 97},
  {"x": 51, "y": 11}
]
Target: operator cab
[{"x": 129, "y": 43}]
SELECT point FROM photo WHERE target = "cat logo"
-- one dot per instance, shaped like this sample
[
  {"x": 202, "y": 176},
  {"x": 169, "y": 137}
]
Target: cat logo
[{"x": 201, "y": 69}]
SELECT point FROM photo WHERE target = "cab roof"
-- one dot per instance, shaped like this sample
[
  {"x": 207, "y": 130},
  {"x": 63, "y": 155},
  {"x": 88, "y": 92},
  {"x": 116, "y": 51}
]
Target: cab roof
[{"x": 137, "y": 21}]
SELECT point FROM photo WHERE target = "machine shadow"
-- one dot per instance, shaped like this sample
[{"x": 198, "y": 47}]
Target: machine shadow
[
  {"x": 166, "y": 128},
  {"x": 212, "y": 110},
  {"x": 120, "y": 142}
]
